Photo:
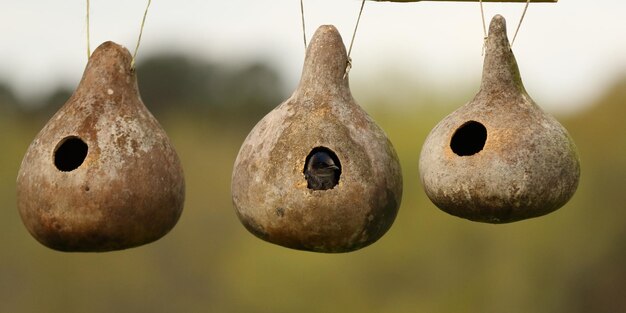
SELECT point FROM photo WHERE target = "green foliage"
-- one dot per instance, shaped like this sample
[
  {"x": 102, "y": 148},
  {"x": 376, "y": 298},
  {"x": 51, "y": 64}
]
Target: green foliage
[
  {"x": 569, "y": 261},
  {"x": 175, "y": 83}
]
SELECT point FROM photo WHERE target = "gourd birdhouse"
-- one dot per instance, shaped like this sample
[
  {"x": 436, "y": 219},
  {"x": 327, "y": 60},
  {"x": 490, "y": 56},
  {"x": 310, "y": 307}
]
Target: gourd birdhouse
[
  {"x": 499, "y": 158},
  {"x": 317, "y": 173},
  {"x": 102, "y": 174}
]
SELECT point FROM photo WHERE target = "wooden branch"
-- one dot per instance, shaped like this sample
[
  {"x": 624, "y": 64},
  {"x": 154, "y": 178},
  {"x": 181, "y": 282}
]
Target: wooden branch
[{"x": 551, "y": 1}]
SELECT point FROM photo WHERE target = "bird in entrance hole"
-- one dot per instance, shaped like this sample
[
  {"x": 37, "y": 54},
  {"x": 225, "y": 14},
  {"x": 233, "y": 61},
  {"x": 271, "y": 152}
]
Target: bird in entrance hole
[{"x": 321, "y": 173}]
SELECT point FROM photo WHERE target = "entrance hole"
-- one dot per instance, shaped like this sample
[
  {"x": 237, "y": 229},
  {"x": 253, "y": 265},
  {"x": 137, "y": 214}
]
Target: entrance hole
[
  {"x": 469, "y": 139},
  {"x": 70, "y": 154},
  {"x": 322, "y": 169}
]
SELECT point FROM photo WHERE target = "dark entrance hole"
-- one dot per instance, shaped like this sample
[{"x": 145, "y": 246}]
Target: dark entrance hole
[
  {"x": 70, "y": 154},
  {"x": 322, "y": 169},
  {"x": 469, "y": 139}
]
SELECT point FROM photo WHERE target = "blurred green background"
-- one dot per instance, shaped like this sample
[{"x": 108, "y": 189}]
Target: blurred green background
[{"x": 572, "y": 260}]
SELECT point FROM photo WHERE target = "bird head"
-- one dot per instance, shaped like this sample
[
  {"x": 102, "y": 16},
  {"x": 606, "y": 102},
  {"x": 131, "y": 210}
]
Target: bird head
[{"x": 321, "y": 161}]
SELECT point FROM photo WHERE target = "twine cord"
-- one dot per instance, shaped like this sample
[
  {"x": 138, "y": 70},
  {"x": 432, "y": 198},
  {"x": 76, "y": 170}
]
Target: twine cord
[
  {"x": 519, "y": 25},
  {"x": 356, "y": 27},
  {"x": 482, "y": 15},
  {"x": 303, "y": 23},
  {"x": 520, "y": 22},
  {"x": 88, "y": 39},
  {"x": 143, "y": 23}
]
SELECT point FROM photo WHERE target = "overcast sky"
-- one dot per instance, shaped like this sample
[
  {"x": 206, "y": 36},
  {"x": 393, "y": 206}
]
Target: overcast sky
[{"x": 568, "y": 52}]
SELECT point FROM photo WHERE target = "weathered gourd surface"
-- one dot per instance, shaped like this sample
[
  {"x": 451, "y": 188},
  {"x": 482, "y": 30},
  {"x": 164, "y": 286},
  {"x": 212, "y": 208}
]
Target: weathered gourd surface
[
  {"x": 102, "y": 174},
  {"x": 499, "y": 158},
  {"x": 319, "y": 122}
]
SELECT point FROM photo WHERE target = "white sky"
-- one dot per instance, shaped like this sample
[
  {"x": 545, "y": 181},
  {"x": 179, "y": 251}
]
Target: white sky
[{"x": 568, "y": 52}]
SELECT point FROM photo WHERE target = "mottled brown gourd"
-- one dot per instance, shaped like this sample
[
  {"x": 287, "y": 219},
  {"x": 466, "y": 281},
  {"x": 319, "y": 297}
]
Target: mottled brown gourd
[
  {"x": 102, "y": 174},
  {"x": 499, "y": 158},
  {"x": 321, "y": 120}
]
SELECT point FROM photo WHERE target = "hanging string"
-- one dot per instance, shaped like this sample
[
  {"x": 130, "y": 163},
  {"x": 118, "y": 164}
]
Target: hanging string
[
  {"x": 88, "y": 39},
  {"x": 520, "y": 22},
  {"x": 356, "y": 27},
  {"x": 303, "y": 23},
  {"x": 482, "y": 14},
  {"x": 143, "y": 22}
]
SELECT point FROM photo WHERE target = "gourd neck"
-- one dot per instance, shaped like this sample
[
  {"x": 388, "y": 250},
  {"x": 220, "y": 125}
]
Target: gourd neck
[
  {"x": 500, "y": 70},
  {"x": 325, "y": 64},
  {"x": 109, "y": 67}
]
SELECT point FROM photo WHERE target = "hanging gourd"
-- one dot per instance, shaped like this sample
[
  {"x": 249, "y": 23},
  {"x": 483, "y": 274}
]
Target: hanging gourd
[
  {"x": 499, "y": 158},
  {"x": 102, "y": 174},
  {"x": 317, "y": 173}
]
